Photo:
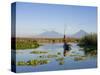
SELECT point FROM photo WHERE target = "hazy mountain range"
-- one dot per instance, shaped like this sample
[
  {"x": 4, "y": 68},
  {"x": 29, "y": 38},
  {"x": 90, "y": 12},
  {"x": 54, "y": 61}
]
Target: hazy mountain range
[
  {"x": 51, "y": 34},
  {"x": 54, "y": 34},
  {"x": 79, "y": 34}
]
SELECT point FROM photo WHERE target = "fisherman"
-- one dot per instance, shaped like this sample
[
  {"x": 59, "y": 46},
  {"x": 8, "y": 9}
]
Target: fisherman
[{"x": 66, "y": 47}]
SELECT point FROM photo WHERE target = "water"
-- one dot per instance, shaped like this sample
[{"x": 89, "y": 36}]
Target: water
[{"x": 76, "y": 58}]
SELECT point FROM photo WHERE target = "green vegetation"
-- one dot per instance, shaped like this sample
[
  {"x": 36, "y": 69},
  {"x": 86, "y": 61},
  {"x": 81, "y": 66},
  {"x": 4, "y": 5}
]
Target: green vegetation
[
  {"x": 70, "y": 39},
  {"x": 39, "y": 52},
  {"x": 52, "y": 56},
  {"x": 59, "y": 53},
  {"x": 26, "y": 44},
  {"x": 34, "y": 62},
  {"x": 48, "y": 56},
  {"x": 89, "y": 43},
  {"x": 21, "y": 63},
  {"x": 79, "y": 58},
  {"x": 60, "y": 60},
  {"x": 29, "y": 43}
]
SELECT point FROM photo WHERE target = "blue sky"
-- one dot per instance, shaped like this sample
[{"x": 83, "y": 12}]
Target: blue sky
[{"x": 32, "y": 19}]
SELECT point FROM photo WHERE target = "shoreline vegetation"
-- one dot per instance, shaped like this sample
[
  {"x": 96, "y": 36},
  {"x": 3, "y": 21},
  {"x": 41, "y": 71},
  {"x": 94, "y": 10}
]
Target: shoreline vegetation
[
  {"x": 26, "y": 44},
  {"x": 32, "y": 43},
  {"x": 89, "y": 43}
]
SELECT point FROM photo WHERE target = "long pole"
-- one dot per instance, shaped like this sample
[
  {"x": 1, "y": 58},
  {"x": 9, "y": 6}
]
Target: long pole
[
  {"x": 64, "y": 32},
  {"x": 64, "y": 29}
]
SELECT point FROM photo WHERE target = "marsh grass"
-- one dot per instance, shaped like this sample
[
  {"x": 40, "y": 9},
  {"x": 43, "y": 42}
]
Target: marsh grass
[
  {"x": 89, "y": 43},
  {"x": 26, "y": 44}
]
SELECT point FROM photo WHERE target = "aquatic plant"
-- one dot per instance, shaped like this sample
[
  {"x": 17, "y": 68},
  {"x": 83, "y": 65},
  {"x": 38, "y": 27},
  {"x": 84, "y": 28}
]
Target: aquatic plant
[
  {"x": 80, "y": 58},
  {"x": 48, "y": 56},
  {"x": 51, "y": 56},
  {"x": 21, "y": 63},
  {"x": 39, "y": 52},
  {"x": 34, "y": 62},
  {"x": 60, "y": 59},
  {"x": 61, "y": 62},
  {"x": 59, "y": 53}
]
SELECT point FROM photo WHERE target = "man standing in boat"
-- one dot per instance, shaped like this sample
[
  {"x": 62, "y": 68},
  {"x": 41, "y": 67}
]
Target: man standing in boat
[{"x": 65, "y": 46}]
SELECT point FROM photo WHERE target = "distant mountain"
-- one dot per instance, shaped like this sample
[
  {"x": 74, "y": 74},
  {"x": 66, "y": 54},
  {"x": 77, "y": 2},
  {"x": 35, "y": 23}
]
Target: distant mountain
[
  {"x": 51, "y": 34},
  {"x": 79, "y": 34},
  {"x": 54, "y": 34}
]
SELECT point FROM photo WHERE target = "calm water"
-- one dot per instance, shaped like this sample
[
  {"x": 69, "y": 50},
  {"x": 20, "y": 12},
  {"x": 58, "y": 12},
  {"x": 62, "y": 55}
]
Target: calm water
[{"x": 69, "y": 62}]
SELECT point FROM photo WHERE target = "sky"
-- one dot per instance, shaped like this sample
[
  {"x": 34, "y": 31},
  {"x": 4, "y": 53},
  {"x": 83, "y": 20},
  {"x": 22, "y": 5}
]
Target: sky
[{"x": 35, "y": 18}]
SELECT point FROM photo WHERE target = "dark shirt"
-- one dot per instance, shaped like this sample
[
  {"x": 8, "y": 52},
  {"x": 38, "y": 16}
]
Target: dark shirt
[{"x": 66, "y": 46}]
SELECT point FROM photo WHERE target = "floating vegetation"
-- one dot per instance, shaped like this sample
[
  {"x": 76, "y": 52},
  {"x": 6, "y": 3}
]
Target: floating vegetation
[
  {"x": 61, "y": 62},
  {"x": 59, "y": 53},
  {"x": 60, "y": 59},
  {"x": 73, "y": 52},
  {"x": 21, "y": 63},
  {"x": 79, "y": 58},
  {"x": 76, "y": 55},
  {"x": 34, "y": 62},
  {"x": 48, "y": 56},
  {"x": 73, "y": 55},
  {"x": 52, "y": 56},
  {"x": 39, "y": 52},
  {"x": 43, "y": 56}
]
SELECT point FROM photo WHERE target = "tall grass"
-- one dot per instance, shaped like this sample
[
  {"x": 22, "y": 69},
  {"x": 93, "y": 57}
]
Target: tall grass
[
  {"x": 89, "y": 42},
  {"x": 26, "y": 44}
]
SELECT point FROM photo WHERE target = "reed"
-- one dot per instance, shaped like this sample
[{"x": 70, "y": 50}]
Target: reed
[
  {"x": 89, "y": 42},
  {"x": 26, "y": 44}
]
